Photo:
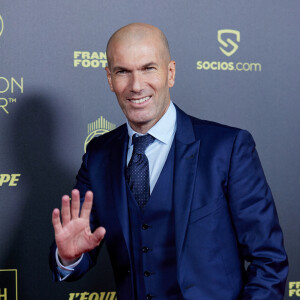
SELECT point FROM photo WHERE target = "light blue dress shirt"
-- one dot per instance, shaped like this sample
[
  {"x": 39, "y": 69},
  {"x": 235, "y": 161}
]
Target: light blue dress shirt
[
  {"x": 157, "y": 152},
  {"x": 163, "y": 132}
]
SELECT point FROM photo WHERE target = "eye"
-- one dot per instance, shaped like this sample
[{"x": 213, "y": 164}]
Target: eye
[
  {"x": 120, "y": 72},
  {"x": 149, "y": 68}
]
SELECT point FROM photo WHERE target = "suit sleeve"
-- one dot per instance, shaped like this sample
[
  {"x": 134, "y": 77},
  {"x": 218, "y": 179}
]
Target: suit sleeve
[
  {"x": 89, "y": 259},
  {"x": 256, "y": 223}
]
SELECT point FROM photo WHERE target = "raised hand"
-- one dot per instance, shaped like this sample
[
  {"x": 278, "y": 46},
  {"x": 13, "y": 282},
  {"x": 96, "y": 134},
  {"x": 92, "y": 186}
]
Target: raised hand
[{"x": 73, "y": 235}]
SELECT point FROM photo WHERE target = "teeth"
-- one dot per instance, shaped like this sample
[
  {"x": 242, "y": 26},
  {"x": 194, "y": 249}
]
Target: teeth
[{"x": 140, "y": 100}]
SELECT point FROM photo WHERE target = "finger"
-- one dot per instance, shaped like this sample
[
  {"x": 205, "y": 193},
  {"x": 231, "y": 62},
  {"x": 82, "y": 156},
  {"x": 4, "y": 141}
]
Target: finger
[
  {"x": 65, "y": 210},
  {"x": 75, "y": 204},
  {"x": 97, "y": 236},
  {"x": 56, "y": 221},
  {"x": 87, "y": 205}
]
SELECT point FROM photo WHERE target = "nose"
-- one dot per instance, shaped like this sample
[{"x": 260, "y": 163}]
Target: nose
[{"x": 136, "y": 82}]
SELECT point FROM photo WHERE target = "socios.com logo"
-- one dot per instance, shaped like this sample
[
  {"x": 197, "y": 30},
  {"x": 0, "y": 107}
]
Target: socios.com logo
[
  {"x": 228, "y": 39},
  {"x": 1, "y": 25},
  {"x": 229, "y": 42}
]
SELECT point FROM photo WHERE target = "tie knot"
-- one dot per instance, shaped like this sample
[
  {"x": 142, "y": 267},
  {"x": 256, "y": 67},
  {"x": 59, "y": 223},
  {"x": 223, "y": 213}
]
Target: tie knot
[{"x": 141, "y": 142}]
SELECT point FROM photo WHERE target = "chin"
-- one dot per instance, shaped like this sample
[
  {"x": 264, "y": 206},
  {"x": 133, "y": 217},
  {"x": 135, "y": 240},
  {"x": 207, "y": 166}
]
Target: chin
[{"x": 139, "y": 118}]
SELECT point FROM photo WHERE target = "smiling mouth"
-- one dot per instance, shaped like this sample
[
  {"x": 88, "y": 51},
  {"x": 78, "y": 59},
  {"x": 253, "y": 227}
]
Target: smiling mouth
[{"x": 138, "y": 101}]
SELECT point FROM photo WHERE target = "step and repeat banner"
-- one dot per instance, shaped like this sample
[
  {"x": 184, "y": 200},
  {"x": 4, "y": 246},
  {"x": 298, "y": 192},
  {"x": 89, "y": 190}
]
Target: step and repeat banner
[{"x": 238, "y": 63}]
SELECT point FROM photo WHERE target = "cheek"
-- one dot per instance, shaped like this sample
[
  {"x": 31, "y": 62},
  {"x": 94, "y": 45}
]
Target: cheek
[
  {"x": 119, "y": 85},
  {"x": 159, "y": 84}
]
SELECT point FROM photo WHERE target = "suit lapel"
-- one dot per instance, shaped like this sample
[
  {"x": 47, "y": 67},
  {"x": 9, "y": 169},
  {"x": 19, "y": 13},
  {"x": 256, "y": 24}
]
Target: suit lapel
[
  {"x": 186, "y": 158},
  {"x": 118, "y": 156}
]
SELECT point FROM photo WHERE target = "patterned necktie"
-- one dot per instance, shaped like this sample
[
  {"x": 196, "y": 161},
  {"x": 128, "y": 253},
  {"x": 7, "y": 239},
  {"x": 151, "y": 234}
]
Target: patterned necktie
[{"x": 137, "y": 172}]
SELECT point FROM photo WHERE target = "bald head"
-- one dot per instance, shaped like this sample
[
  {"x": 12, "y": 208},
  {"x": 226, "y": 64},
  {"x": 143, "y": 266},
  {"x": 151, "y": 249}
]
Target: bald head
[{"x": 137, "y": 32}]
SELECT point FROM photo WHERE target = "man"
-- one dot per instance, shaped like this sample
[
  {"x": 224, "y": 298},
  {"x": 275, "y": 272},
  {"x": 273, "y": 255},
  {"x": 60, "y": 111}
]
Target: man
[{"x": 182, "y": 202}]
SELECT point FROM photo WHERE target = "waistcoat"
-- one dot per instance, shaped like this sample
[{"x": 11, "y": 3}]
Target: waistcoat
[{"x": 152, "y": 243}]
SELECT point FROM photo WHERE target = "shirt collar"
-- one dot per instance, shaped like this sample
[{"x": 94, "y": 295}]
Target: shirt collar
[{"x": 163, "y": 129}]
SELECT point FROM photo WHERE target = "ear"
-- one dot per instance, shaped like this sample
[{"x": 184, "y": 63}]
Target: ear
[
  {"x": 108, "y": 75},
  {"x": 171, "y": 73}
]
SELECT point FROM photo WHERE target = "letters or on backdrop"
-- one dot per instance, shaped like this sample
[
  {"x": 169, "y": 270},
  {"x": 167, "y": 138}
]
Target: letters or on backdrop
[{"x": 238, "y": 63}]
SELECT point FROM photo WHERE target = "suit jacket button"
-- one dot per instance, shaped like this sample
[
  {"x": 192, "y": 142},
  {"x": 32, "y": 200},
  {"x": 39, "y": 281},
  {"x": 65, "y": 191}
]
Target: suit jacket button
[
  {"x": 145, "y": 249},
  {"x": 145, "y": 226},
  {"x": 149, "y": 297},
  {"x": 147, "y": 273}
]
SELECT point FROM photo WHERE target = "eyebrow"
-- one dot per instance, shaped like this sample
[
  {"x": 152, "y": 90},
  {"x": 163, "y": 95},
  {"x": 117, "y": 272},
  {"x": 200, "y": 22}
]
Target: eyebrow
[
  {"x": 149, "y": 64},
  {"x": 119, "y": 68}
]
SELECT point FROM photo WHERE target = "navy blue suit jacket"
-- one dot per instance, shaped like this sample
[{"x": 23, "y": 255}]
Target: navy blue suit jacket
[{"x": 224, "y": 213}]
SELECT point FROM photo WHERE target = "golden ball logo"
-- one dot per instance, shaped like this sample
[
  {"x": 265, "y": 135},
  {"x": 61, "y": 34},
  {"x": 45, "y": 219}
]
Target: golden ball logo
[
  {"x": 1, "y": 25},
  {"x": 96, "y": 128}
]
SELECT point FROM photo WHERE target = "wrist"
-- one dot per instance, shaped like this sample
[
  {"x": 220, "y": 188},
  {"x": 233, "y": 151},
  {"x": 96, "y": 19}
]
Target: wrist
[{"x": 67, "y": 262}]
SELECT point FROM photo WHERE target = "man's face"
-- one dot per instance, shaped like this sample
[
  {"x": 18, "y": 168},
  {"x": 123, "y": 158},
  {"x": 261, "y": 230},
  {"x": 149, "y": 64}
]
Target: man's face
[{"x": 140, "y": 76}]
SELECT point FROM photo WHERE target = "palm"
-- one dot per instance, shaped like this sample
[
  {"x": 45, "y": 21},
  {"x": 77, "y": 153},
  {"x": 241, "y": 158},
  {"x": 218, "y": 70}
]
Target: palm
[
  {"x": 74, "y": 239},
  {"x": 73, "y": 236}
]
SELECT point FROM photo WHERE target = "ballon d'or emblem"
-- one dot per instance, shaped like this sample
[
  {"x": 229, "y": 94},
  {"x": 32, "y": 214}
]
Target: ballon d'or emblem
[
  {"x": 1, "y": 25},
  {"x": 96, "y": 128}
]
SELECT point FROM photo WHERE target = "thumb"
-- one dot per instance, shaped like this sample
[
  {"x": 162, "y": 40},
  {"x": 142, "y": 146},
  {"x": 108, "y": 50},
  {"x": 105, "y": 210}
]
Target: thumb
[{"x": 98, "y": 235}]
